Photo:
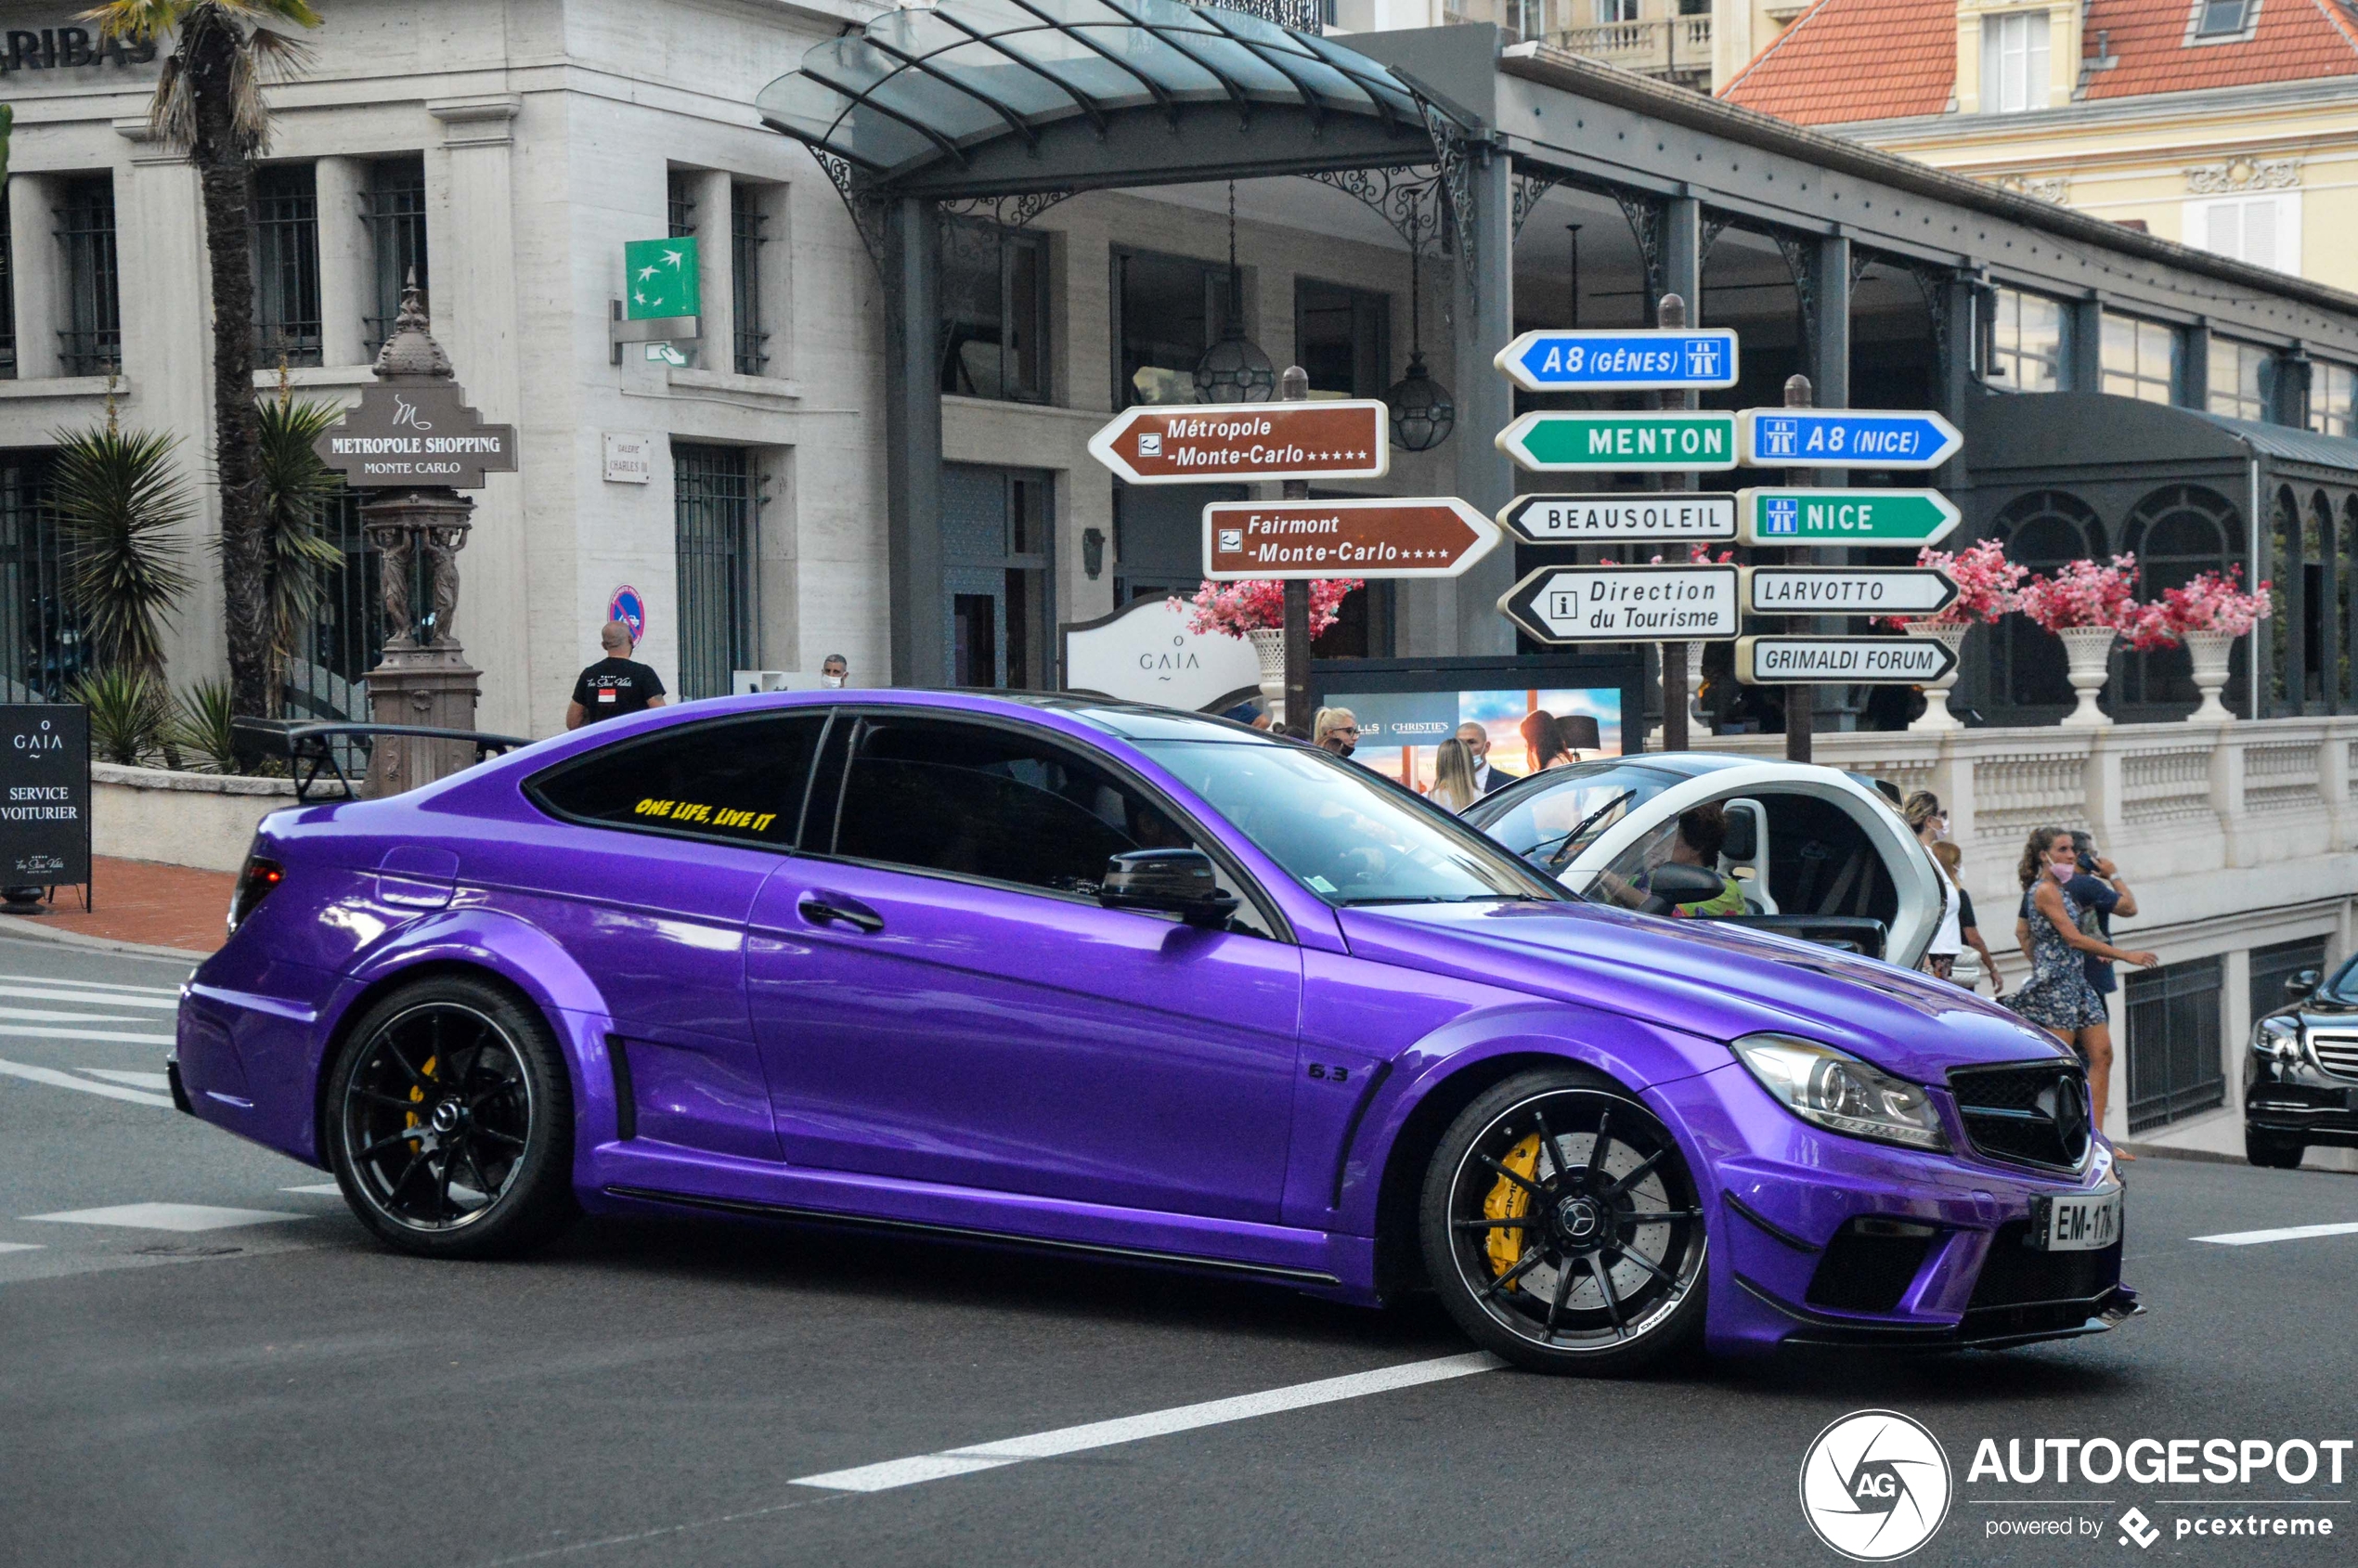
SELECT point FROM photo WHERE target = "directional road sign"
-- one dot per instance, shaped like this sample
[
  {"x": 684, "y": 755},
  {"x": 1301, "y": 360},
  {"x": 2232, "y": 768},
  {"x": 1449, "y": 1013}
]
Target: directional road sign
[
  {"x": 1640, "y": 517},
  {"x": 1842, "y": 661},
  {"x": 1625, "y": 603},
  {"x": 1620, "y": 442},
  {"x": 1869, "y": 517},
  {"x": 1846, "y": 438},
  {"x": 1848, "y": 591},
  {"x": 1435, "y": 537},
  {"x": 1620, "y": 361},
  {"x": 1189, "y": 443}
]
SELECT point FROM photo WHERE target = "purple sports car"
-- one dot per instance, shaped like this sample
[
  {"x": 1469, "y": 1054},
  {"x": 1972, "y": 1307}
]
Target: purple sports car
[{"x": 1141, "y": 985}]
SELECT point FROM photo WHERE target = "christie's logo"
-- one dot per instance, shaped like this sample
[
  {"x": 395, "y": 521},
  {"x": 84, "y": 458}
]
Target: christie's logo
[{"x": 1874, "y": 1486}]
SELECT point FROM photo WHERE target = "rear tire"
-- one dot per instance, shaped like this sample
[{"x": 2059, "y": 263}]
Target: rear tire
[
  {"x": 2271, "y": 1152},
  {"x": 449, "y": 1121},
  {"x": 1601, "y": 1273}
]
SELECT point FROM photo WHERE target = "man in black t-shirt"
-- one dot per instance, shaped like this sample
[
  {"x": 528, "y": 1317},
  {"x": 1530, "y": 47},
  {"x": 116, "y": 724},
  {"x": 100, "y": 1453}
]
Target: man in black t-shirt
[{"x": 613, "y": 685}]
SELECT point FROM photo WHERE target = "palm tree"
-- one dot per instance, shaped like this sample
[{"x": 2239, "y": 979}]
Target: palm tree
[
  {"x": 121, "y": 506},
  {"x": 295, "y": 487},
  {"x": 208, "y": 101}
]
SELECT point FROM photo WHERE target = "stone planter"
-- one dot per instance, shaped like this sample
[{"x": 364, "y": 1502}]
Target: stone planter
[
  {"x": 1269, "y": 647},
  {"x": 1937, "y": 717},
  {"x": 2089, "y": 651},
  {"x": 2209, "y": 651}
]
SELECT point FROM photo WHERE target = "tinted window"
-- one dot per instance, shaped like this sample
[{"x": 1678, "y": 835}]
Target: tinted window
[
  {"x": 1552, "y": 822},
  {"x": 1341, "y": 830},
  {"x": 978, "y": 801},
  {"x": 742, "y": 781}
]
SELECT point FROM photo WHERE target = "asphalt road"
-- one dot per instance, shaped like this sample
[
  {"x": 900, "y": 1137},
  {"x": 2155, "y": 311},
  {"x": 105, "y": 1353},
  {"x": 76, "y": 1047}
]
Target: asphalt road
[{"x": 276, "y": 1389}]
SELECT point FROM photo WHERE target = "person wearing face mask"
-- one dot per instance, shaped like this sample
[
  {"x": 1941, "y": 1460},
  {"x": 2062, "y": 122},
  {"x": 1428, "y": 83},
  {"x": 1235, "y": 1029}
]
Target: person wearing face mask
[
  {"x": 1336, "y": 730},
  {"x": 835, "y": 672},
  {"x": 1922, "y": 812},
  {"x": 2057, "y": 997}
]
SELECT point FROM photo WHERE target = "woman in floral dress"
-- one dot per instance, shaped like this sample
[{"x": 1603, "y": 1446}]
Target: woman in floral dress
[{"x": 2057, "y": 997}]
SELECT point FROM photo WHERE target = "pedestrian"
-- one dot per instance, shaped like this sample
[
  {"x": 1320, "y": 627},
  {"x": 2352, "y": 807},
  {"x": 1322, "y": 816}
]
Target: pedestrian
[
  {"x": 1924, "y": 816},
  {"x": 835, "y": 672},
  {"x": 1453, "y": 776},
  {"x": 1335, "y": 730},
  {"x": 1951, "y": 859},
  {"x": 614, "y": 685},
  {"x": 1477, "y": 741},
  {"x": 2059, "y": 996},
  {"x": 1543, "y": 739}
]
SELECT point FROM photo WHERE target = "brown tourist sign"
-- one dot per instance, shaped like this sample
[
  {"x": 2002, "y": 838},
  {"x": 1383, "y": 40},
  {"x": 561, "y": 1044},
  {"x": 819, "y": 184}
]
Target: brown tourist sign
[
  {"x": 1425, "y": 537},
  {"x": 412, "y": 433},
  {"x": 1189, "y": 443}
]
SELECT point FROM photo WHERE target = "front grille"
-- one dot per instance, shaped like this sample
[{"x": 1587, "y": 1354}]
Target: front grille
[
  {"x": 2337, "y": 1054},
  {"x": 2018, "y": 1276},
  {"x": 1869, "y": 1265},
  {"x": 2012, "y": 1112}
]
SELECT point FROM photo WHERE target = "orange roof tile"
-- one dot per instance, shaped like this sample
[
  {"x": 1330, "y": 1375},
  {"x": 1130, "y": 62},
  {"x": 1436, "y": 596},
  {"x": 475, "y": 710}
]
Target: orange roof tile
[{"x": 1850, "y": 60}]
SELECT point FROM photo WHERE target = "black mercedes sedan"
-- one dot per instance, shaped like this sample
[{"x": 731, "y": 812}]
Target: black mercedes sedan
[{"x": 2300, "y": 1076}]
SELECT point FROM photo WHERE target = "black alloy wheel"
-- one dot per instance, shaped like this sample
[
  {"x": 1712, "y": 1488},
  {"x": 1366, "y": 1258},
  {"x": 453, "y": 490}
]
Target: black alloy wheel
[
  {"x": 450, "y": 1121},
  {"x": 1562, "y": 1228}
]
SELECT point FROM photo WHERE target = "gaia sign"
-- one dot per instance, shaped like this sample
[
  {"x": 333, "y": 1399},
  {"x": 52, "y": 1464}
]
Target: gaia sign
[{"x": 44, "y": 794}]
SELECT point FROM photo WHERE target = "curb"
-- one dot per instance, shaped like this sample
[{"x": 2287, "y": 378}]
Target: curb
[
  {"x": 25, "y": 927},
  {"x": 2210, "y": 1157}
]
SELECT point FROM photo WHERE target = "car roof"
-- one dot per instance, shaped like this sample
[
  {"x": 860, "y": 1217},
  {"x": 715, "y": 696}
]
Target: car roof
[{"x": 1127, "y": 720}]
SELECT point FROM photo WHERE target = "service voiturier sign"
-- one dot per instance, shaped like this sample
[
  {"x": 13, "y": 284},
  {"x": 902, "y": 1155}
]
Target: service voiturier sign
[{"x": 44, "y": 794}]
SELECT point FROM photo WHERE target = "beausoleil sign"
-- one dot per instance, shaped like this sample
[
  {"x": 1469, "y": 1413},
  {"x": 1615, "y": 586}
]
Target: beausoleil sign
[
  {"x": 407, "y": 433},
  {"x": 1638, "y": 515}
]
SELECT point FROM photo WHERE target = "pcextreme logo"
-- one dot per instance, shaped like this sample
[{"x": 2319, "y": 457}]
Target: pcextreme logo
[{"x": 1874, "y": 1486}]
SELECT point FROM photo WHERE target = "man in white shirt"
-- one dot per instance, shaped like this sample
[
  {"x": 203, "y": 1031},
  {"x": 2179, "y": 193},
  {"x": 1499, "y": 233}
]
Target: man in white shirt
[{"x": 1486, "y": 778}]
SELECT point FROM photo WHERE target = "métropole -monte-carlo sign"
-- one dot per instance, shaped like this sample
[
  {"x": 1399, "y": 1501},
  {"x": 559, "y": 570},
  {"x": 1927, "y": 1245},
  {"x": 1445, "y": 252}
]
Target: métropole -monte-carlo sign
[{"x": 414, "y": 434}]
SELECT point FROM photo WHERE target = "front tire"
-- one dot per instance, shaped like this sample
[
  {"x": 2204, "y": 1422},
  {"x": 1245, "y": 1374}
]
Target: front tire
[
  {"x": 449, "y": 1121},
  {"x": 1562, "y": 1229},
  {"x": 2272, "y": 1153}
]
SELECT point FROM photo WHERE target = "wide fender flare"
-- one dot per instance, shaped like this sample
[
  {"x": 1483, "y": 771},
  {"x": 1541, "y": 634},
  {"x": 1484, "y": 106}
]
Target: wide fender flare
[
  {"x": 1635, "y": 1053},
  {"x": 519, "y": 953}
]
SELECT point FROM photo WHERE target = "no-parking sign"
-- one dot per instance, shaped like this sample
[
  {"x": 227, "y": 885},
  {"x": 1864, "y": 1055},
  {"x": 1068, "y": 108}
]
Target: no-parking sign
[{"x": 630, "y": 610}]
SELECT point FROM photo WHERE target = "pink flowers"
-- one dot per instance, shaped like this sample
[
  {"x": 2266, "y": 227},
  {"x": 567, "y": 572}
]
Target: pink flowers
[
  {"x": 1985, "y": 585},
  {"x": 2215, "y": 603},
  {"x": 1259, "y": 604},
  {"x": 2084, "y": 593}
]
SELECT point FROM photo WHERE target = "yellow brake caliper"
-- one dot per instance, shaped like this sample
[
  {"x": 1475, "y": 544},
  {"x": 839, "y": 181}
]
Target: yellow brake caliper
[
  {"x": 1507, "y": 1201},
  {"x": 417, "y": 1095}
]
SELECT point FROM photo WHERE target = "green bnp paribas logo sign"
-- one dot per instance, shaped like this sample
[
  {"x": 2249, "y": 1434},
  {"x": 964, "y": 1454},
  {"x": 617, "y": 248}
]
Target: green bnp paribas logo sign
[{"x": 664, "y": 280}]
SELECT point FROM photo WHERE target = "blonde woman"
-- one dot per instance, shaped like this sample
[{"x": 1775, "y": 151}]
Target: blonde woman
[
  {"x": 1453, "y": 776},
  {"x": 2057, "y": 996},
  {"x": 1335, "y": 730}
]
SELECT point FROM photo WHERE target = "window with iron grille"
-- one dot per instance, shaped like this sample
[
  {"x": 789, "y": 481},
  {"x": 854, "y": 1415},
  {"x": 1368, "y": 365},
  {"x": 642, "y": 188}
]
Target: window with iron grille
[
  {"x": 679, "y": 203},
  {"x": 393, "y": 208},
  {"x": 286, "y": 265},
  {"x": 2174, "y": 1068},
  {"x": 91, "y": 339},
  {"x": 41, "y": 646},
  {"x": 745, "y": 220},
  {"x": 715, "y": 515},
  {"x": 7, "y": 295},
  {"x": 326, "y": 674}
]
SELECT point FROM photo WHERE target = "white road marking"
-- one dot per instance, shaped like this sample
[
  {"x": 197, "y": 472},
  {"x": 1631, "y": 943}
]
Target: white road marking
[
  {"x": 161, "y": 1083},
  {"x": 173, "y": 991},
  {"x": 21, "y": 1246},
  {"x": 20, "y": 1032},
  {"x": 68, "y": 1081},
  {"x": 325, "y": 1190},
  {"x": 46, "y": 1016},
  {"x": 1157, "y": 1423},
  {"x": 95, "y": 998},
  {"x": 2289, "y": 1233},
  {"x": 168, "y": 1216}
]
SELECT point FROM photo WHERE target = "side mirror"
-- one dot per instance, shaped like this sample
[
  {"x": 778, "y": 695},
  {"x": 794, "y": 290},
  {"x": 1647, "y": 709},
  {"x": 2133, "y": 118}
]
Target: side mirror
[
  {"x": 1181, "y": 882},
  {"x": 1672, "y": 885},
  {"x": 2300, "y": 987}
]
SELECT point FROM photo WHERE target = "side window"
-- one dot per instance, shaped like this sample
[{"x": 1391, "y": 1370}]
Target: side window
[
  {"x": 970, "y": 800},
  {"x": 741, "y": 782}
]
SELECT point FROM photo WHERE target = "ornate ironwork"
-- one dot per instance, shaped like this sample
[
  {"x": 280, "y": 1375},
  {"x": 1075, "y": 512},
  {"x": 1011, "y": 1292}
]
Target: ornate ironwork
[
  {"x": 1452, "y": 156},
  {"x": 1406, "y": 196},
  {"x": 1933, "y": 283},
  {"x": 1647, "y": 220},
  {"x": 1800, "y": 257},
  {"x": 1530, "y": 190},
  {"x": 860, "y": 199},
  {"x": 1300, "y": 15},
  {"x": 1008, "y": 211},
  {"x": 1712, "y": 227}
]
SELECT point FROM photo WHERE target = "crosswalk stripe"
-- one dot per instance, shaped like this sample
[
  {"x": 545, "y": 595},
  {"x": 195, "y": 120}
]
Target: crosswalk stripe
[
  {"x": 173, "y": 991},
  {"x": 23, "y": 1032},
  {"x": 95, "y": 998},
  {"x": 2288, "y": 1233},
  {"x": 168, "y": 1216},
  {"x": 68, "y": 1081},
  {"x": 42, "y": 1015},
  {"x": 156, "y": 1080}
]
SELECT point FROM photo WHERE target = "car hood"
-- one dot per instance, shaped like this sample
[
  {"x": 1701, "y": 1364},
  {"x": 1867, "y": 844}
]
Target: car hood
[{"x": 1707, "y": 978}]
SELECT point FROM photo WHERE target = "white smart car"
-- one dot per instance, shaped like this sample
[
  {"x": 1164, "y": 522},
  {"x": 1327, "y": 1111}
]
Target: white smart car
[{"x": 1819, "y": 854}]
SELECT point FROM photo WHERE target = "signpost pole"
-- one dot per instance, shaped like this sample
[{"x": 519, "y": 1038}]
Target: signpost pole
[
  {"x": 1672, "y": 314},
  {"x": 1294, "y": 387},
  {"x": 1801, "y": 701}
]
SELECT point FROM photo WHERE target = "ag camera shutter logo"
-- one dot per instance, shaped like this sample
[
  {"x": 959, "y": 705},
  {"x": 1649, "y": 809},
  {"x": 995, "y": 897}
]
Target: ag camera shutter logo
[{"x": 1876, "y": 1485}]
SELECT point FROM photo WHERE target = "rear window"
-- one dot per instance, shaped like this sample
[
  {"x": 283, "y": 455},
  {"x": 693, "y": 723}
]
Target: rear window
[{"x": 742, "y": 782}]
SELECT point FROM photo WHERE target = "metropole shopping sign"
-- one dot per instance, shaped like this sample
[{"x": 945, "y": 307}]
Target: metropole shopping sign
[{"x": 416, "y": 434}]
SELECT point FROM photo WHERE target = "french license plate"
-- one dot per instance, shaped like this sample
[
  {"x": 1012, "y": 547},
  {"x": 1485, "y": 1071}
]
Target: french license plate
[{"x": 2085, "y": 1223}]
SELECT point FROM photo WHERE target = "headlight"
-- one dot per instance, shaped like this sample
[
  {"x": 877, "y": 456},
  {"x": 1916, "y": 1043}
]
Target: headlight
[
  {"x": 1837, "y": 1091},
  {"x": 2278, "y": 1038}
]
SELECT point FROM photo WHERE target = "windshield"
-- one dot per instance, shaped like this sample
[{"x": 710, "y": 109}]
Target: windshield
[
  {"x": 1340, "y": 831},
  {"x": 1551, "y": 822},
  {"x": 2342, "y": 988}
]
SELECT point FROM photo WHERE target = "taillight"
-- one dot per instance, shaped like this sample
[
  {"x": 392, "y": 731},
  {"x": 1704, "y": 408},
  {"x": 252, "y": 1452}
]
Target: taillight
[{"x": 261, "y": 875}]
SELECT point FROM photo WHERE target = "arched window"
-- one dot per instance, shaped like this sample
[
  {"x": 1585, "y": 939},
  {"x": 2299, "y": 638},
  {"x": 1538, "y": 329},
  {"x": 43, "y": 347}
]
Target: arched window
[
  {"x": 2285, "y": 596},
  {"x": 2346, "y": 588},
  {"x": 2041, "y": 530},
  {"x": 2318, "y": 611},
  {"x": 2176, "y": 533}
]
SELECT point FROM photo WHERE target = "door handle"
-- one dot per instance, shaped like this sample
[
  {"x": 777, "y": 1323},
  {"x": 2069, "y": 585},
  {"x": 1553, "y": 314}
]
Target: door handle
[{"x": 821, "y": 908}]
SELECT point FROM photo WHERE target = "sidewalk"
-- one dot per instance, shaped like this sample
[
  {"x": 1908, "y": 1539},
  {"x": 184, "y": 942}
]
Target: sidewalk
[{"x": 141, "y": 901}]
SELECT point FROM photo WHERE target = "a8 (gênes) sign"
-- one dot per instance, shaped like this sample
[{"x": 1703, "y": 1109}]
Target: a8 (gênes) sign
[
  {"x": 1836, "y": 516},
  {"x": 405, "y": 433},
  {"x": 1639, "y": 516},
  {"x": 1629, "y": 360},
  {"x": 1846, "y": 438},
  {"x": 1434, "y": 537},
  {"x": 1848, "y": 591},
  {"x": 44, "y": 794},
  {"x": 1703, "y": 439},
  {"x": 1842, "y": 661},
  {"x": 1625, "y": 603},
  {"x": 1189, "y": 443}
]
